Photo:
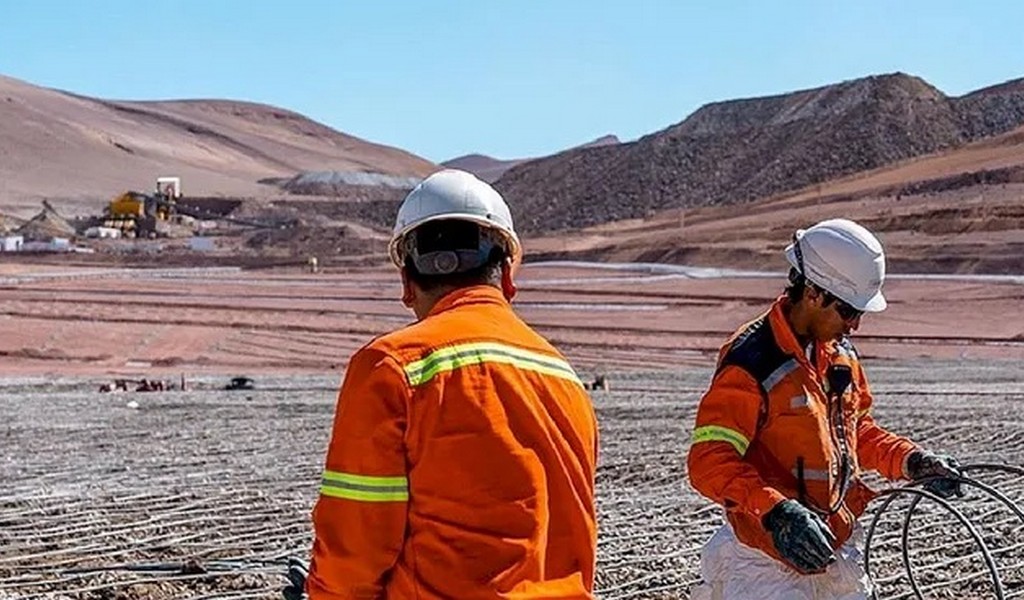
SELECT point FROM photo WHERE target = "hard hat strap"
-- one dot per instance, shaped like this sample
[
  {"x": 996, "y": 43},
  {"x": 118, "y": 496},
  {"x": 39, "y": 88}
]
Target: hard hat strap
[{"x": 799, "y": 256}]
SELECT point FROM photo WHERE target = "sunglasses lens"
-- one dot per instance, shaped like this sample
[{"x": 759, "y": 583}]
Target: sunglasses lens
[{"x": 846, "y": 311}]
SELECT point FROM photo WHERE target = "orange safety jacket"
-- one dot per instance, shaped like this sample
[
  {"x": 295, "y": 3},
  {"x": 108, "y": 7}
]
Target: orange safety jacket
[
  {"x": 768, "y": 430},
  {"x": 461, "y": 465}
]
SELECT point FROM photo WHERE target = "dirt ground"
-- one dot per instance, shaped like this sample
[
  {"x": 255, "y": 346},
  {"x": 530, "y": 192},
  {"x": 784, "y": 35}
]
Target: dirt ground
[
  {"x": 185, "y": 321},
  {"x": 204, "y": 493}
]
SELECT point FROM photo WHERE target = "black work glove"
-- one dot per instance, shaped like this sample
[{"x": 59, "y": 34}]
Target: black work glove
[
  {"x": 800, "y": 536},
  {"x": 296, "y": 588},
  {"x": 944, "y": 469}
]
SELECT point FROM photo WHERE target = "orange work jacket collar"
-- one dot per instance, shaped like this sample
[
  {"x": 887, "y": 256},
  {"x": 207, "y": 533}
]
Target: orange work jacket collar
[
  {"x": 477, "y": 294},
  {"x": 787, "y": 340},
  {"x": 783, "y": 331}
]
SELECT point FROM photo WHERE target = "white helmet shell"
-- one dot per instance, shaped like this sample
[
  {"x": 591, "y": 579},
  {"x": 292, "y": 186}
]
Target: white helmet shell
[
  {"x": 843, "y": 258},
  {"x": 454, "y": 194}
]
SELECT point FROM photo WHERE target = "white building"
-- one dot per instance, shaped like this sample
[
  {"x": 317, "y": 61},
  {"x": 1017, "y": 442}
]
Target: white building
[
  {"x": 103, "y": 232},
  {"x": 53, "y": 245},
  {"x": 11, "y": 243}
]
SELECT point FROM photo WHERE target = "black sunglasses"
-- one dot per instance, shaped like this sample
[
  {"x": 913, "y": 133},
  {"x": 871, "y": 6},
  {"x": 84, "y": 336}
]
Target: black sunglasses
[{"x": 846, "y": 312}]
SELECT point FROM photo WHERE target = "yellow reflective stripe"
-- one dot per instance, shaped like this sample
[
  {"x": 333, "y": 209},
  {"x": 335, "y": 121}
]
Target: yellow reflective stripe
[
  {"x": 463, "y": 355},
  {"x": 364, "y": 496},
  {"x": 861, "y": 413},
  {"x": 364, "y": 488},
  {"x": 715, "y": 433},
  {"x": 368, "y": 480}
]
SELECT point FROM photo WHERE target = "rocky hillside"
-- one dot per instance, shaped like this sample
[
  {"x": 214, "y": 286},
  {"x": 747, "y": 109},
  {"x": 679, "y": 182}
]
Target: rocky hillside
[
  {"x": 485, "y": 167},
  {"x": 736, "y": 151},
  {"x": 956, "y": 211},
  {"x": 491, "y": 169},
  {"x": 993, "y": 109}
]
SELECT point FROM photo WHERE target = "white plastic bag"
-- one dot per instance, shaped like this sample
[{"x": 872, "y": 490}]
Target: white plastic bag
[{"x": 733, "y": 571}]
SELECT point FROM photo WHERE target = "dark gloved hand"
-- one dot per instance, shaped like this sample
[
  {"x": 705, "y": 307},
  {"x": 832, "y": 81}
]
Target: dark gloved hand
[
  {"x": 922, "y": 464},
  {"x": 296, "y": 588},
  {"x": 800, "y": 536}
]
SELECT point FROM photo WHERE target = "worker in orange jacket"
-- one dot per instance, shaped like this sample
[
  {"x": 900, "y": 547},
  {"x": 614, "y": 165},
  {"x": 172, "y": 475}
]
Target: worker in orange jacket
[
  {"x": 461, "y": 463},
  {"x": 786, "y": 429}
]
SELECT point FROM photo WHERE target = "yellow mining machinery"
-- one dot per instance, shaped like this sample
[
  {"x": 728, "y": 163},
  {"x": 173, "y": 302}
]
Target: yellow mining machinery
[{"x": 136, "y": 214}]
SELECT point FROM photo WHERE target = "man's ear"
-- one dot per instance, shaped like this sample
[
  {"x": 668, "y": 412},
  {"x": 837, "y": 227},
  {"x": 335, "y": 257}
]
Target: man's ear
[
  {"x": 814, "y": 295},
  {"x": 408, "y": 290},
  {"x": 508, "y": 284}
]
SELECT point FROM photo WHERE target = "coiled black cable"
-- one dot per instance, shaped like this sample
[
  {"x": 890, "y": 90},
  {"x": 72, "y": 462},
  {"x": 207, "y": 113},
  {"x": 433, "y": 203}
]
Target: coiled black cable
[{"x": 914, "y": 489}]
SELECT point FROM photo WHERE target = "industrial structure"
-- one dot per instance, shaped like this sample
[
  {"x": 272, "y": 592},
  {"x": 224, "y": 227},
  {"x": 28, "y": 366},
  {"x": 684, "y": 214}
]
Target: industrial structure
[
  {"x": 137, "y": 214},
  {"x": 165, "y": 212}
]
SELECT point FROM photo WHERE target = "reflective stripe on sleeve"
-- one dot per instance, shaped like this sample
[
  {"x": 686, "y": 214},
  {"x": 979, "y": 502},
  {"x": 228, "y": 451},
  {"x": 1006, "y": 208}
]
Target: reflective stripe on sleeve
[
  {"x": 716, "y": 433},
  {"x": 364, "y": 488},
  {"x": 463, "y": 355}
]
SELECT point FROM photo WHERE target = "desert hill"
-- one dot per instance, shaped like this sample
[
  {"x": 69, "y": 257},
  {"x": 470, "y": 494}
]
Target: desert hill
[
  {"x": 68, "y": 147},
  {"x": 960, "y": 210},
  {"x": 941, "y": 179},
  {"x": 741, "y": 150},
  {"x": 956, "y": 210},
  {"x": 491, "y": 169}
]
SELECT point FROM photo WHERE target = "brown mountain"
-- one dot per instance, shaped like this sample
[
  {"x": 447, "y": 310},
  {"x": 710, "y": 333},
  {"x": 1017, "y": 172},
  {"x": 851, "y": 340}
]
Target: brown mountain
[
  {"x": 959, "y": 210},
  {"x": 736, "y": 151},
  {"x": 491, "y": 169},
  {"x": 73, "y": 148},
  {"x": 485, "y": 167}
]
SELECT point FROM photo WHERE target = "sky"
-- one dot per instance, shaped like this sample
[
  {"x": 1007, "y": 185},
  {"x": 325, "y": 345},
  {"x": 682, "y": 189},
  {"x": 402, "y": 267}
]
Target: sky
[{"x": 443, "y": 78}]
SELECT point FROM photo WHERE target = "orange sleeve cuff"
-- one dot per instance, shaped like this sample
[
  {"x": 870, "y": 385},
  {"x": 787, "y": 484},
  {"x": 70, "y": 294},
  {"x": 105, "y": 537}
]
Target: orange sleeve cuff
[{"x": 762, "y": 500}]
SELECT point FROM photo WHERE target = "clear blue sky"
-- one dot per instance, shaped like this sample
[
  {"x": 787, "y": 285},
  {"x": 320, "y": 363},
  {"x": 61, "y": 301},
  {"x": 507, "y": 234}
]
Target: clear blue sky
[{"x": 510, "y": 79}]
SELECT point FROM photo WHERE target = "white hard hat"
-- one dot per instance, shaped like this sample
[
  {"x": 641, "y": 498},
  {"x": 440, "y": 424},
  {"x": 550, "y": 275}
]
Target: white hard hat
[
  {"x": 458, "y": 195},
  {"x": 844, "y": 259}
]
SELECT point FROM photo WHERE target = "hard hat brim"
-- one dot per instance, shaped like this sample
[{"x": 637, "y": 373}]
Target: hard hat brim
[{"x": 876, "y": 303}]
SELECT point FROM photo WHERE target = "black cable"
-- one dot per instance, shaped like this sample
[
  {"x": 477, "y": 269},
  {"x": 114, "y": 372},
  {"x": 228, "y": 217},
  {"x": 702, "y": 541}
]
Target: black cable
[
  {"x": 913, "y": 489},
  {"x": 894, "y": 493}
]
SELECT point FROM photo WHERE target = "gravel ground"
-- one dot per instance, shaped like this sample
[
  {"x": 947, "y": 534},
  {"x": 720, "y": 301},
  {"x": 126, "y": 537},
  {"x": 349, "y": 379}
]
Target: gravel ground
[{"x": 203, "y": 494}]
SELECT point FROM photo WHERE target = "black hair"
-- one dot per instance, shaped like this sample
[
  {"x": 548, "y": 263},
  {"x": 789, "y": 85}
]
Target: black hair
[
  {"x": 795, "y": 286},
  {"x": 798, "y": 283}
]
